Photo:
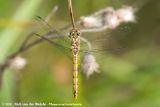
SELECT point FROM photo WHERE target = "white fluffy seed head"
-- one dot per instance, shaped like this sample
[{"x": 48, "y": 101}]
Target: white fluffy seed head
[
  {"x": 90, "y": 22},
  {"x": 89, "y": 65},
  {"x": 126, "y": 14},
  {"x": 111, "y": 19},
  {"x": 18, "y": 63}
]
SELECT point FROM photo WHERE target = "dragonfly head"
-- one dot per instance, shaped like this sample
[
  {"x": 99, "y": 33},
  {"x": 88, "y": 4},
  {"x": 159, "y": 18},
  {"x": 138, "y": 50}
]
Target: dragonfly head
[{"x": 75, "y": 33}]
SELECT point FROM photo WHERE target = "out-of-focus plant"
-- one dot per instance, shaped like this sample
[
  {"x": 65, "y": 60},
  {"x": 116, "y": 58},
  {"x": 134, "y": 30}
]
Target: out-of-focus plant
[{"x": 8, "y": 38}]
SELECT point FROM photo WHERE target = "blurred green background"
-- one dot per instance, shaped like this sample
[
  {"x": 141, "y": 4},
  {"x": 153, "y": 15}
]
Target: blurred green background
[{"x": 128, "y": 78}]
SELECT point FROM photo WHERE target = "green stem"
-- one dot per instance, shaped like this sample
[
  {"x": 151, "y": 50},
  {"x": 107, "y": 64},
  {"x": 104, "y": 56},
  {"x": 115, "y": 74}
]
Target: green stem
[
  {"x": 8, "y": 38},
  {"x": 10, "y": 35}
]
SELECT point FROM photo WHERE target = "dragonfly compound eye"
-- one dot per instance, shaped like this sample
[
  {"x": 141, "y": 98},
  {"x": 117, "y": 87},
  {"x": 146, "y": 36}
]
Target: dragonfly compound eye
[{"x": 78, "y": 33}]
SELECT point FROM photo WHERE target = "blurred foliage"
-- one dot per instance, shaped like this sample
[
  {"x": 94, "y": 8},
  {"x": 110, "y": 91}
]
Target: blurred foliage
[{"x": 128, "y": 78}]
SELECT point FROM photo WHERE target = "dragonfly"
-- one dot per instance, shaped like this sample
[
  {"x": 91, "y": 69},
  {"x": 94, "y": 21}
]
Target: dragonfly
[{"x": 75, "y": 42}]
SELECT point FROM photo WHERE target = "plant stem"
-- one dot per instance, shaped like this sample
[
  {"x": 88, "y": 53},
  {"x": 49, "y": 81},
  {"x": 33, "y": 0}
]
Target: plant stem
[
  {"x": 10, "y": 35},
  {"x": 7, "y": 40}
]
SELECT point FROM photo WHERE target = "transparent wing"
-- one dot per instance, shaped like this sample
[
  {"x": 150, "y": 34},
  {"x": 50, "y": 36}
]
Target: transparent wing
[
  {"x": 94, "y": 49},
  {"x": 98, "y": 46},
  {"x": 96, "y": 43}
]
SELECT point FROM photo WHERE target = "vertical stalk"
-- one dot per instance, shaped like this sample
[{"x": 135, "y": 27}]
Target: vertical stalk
[{"x": 8, "y": 38}]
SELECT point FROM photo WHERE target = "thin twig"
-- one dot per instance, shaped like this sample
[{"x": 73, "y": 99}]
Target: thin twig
[
  {"x": 54, "y": 10},
  {"x": 71, "y": 13}
]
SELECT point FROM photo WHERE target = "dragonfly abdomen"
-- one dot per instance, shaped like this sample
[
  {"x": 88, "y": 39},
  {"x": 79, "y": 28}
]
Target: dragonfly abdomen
[{"x": 75, "y": 76}]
